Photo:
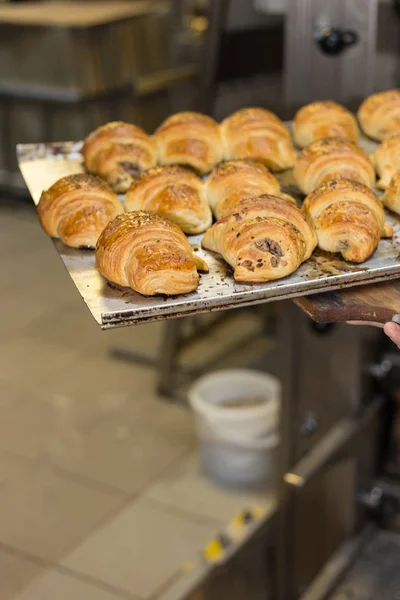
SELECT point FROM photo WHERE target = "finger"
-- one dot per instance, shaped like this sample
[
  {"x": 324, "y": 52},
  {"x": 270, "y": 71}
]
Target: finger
[
  {"x": 392, "y": 330},
  {"x": 371, "y": 323}
]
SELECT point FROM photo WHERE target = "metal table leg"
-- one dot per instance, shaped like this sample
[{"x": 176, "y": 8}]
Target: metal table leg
[
  {"x": 169, "y": 357},
  {"x": 179, "y": 335}
]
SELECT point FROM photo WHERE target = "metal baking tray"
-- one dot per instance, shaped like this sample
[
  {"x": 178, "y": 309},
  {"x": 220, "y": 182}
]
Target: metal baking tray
[{"x": 112, "y": 306}]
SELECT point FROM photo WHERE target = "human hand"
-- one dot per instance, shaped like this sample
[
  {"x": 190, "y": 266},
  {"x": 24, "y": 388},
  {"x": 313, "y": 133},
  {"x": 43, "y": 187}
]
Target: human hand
[{"x": 391, "y": 329}]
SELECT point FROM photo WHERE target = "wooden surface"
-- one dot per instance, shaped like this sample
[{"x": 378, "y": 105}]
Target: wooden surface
[
  {"x": 74, "y": 14},
  {"x": 378, "y": 303}
]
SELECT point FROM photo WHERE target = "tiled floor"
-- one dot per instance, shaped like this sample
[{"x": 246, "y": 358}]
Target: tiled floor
[{"x": 101, "y": 495}]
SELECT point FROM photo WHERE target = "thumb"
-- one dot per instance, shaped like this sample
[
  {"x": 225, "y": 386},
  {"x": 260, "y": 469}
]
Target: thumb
[{"x": 392, "y": 330}]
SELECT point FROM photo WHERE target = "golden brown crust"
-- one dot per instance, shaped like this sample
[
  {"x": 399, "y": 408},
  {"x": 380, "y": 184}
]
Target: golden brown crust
[
  {"x": 379, "y": 115},
  {"x": 77, "y": 208},
  {"x": 190, "y": 139},
  {"x": 323, "y": 119},
  {"x": 147, "y": 253},
  {"x": 267, "y": 238},
  {"x": 386, "y": 160},
  {"x": 233, "y": 180},
  {"x": 348, "y": 218},
  {"x": 391, "y": 198},
  {"x": 173, "y": 192},
  {"x": 332, "y": 158},
  {"x": 117, "y": 151},
  {"x": 258, "y": 134}
]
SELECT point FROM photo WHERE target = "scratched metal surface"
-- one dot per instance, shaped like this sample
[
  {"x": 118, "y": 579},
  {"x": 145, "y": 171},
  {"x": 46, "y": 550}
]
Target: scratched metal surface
[{"x": 42, "y": 164}]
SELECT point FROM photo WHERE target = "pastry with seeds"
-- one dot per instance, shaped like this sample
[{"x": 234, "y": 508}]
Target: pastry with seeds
[
  {"x": 266, "y": 238},
  {"x": 149, "y": 254},
  {"x": 190, "y": 139},
  {"x": 259, "y": 134},
  {"x": 174, "y": 192},
  {"x": 117, "y": 152},
  {"x": 332, "y": 158},
  {"x": 379, "y": 115},
  {"x": 324, "y": 119},
  {"x": 348, "y": 219},
  {"x": 76, "y": 209},
  {"x": 233, "y": 180},
  {"x": 386, "y": 160},
  {"x": 391, "y": 197}
]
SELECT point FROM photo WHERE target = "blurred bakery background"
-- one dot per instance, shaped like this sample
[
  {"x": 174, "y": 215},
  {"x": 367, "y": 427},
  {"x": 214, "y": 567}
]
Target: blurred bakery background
[
  {"x": 67, "y": 67},
  {"x": 102, "y": 496}
]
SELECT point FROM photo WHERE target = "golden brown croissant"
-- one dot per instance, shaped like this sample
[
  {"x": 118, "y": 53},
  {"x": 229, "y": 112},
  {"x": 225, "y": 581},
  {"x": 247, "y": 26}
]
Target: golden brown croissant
[
  {"x": 386, "y": 160},
  {"x": 190, "y": 139},
  {"x": 379, "y": 115},
  {"x": 233, "y": 180},
  {"x": 391, "y": 197},
  {"x": 117, "y": 152},
  {"x": 267, "y": 238},
  {"x": 332, "y": 158},
  {"x": 348, "y": 218},
  {"x": 259, "y": 134},
  {"x": 323, "y": 119},
  {"x": 173, "y": 192},
  {"x": 149, "y": 254},
  {"x": 77, "y": 208}
]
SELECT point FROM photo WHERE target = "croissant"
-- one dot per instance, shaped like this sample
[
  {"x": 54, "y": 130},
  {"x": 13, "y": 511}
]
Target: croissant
[
  {"x": 386, "y": 160},
  {"x": 191, "y": 139},
  {"x": 173, "y": 192},
  {"x": 117, "y": 152},
  {"x": 332, "y": 158},
  {"x": 323, "y": 119},
  {"x": 149, "y": 254},
  {"x": 379, "y": 115},
  {"x": 77, "y": 208},
  {"x": 267, "y": 238},
  {"x": 233, "y": 180},
  {"x": 259, "y": 134},
  {"x": 391, "y": 198},
  {"x": 348, "y": 218}
]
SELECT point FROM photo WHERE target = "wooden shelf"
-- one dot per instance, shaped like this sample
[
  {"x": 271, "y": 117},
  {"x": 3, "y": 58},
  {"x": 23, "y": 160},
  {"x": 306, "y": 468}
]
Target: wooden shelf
[{"x": 75, "y": 14}]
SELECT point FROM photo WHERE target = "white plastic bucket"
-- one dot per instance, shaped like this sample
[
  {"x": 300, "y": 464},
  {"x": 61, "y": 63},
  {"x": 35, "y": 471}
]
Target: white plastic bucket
[{"x": 237, "y": 417}]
